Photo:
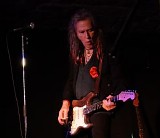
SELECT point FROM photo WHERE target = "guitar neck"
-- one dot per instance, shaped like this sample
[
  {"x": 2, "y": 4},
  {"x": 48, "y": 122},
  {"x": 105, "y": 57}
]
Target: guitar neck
[
  {"x": 91, "y": 108},
  {"x": 97, "y": 106},
  {"x": 123, "y": 96}
]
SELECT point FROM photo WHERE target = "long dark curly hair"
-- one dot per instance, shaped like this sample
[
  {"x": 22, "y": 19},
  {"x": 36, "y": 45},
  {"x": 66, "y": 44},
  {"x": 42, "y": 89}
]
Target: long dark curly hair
[{"x": 76, "y": 47}]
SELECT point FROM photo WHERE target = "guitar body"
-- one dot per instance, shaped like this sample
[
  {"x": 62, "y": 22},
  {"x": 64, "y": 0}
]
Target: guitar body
[
  {"x": 81, "y": 109},
  {"x": 79, "y": 119}
]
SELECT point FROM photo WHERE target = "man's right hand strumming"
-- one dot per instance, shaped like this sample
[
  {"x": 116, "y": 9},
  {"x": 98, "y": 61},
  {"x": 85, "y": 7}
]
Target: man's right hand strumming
[{"x": 63, "y": 113}]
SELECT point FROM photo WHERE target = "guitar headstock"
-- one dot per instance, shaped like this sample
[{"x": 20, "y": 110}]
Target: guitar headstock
[{"x": 126, "y": 95}]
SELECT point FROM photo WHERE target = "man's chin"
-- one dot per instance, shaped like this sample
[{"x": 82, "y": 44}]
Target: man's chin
[{"x": 88, "y": 47}]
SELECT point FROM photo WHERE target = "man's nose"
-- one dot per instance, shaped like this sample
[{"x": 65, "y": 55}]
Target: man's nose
[{"x": 87, "y": 35}]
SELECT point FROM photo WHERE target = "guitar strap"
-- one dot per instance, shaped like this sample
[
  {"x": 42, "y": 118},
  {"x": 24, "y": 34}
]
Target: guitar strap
[
  {"x": 99, "y": 77},
  {"x": 140, "y": 120}
]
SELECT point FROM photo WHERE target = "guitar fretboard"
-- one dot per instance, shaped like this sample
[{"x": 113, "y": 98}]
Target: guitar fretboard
[
  {"x": 124, "y": 95},
  {"x": 92, "y": 108},
  {"x": 96, "y": 106}
]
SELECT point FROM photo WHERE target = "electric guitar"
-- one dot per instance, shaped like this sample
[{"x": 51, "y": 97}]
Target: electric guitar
[{"x": 82, "y": 108}]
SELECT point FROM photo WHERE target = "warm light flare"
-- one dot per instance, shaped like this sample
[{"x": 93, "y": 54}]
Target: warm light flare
[{"x": 23, "y": 62}]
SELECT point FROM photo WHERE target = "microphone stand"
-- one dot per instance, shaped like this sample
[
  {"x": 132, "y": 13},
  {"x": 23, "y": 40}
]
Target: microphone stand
[{"x": 24, "y": 90}]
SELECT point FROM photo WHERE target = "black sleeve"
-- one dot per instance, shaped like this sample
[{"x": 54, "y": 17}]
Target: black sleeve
[
  {"x": 68, "y": 93},
  {"x": 117, "y": 78}
]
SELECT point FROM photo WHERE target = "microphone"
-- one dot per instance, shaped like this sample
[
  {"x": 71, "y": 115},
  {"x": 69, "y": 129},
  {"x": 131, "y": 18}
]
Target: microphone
[{"x": 30, "y": 26}]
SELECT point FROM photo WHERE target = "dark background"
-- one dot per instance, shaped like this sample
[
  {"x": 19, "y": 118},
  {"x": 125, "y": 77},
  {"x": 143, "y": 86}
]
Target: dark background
[{"x": 131, "y": 27}]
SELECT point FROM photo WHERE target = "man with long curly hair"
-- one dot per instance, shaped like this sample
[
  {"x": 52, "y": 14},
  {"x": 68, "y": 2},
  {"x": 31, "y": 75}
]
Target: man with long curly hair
[{"x": 90, "y": 105}]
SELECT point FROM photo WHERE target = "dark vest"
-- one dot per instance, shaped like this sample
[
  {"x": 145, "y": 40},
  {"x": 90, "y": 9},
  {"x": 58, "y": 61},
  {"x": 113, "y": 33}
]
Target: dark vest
[{"x": 85, "y": 83}]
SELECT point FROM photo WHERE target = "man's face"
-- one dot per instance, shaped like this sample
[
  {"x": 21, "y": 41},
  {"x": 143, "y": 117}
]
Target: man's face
[{"x": 85, "y": 33}]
